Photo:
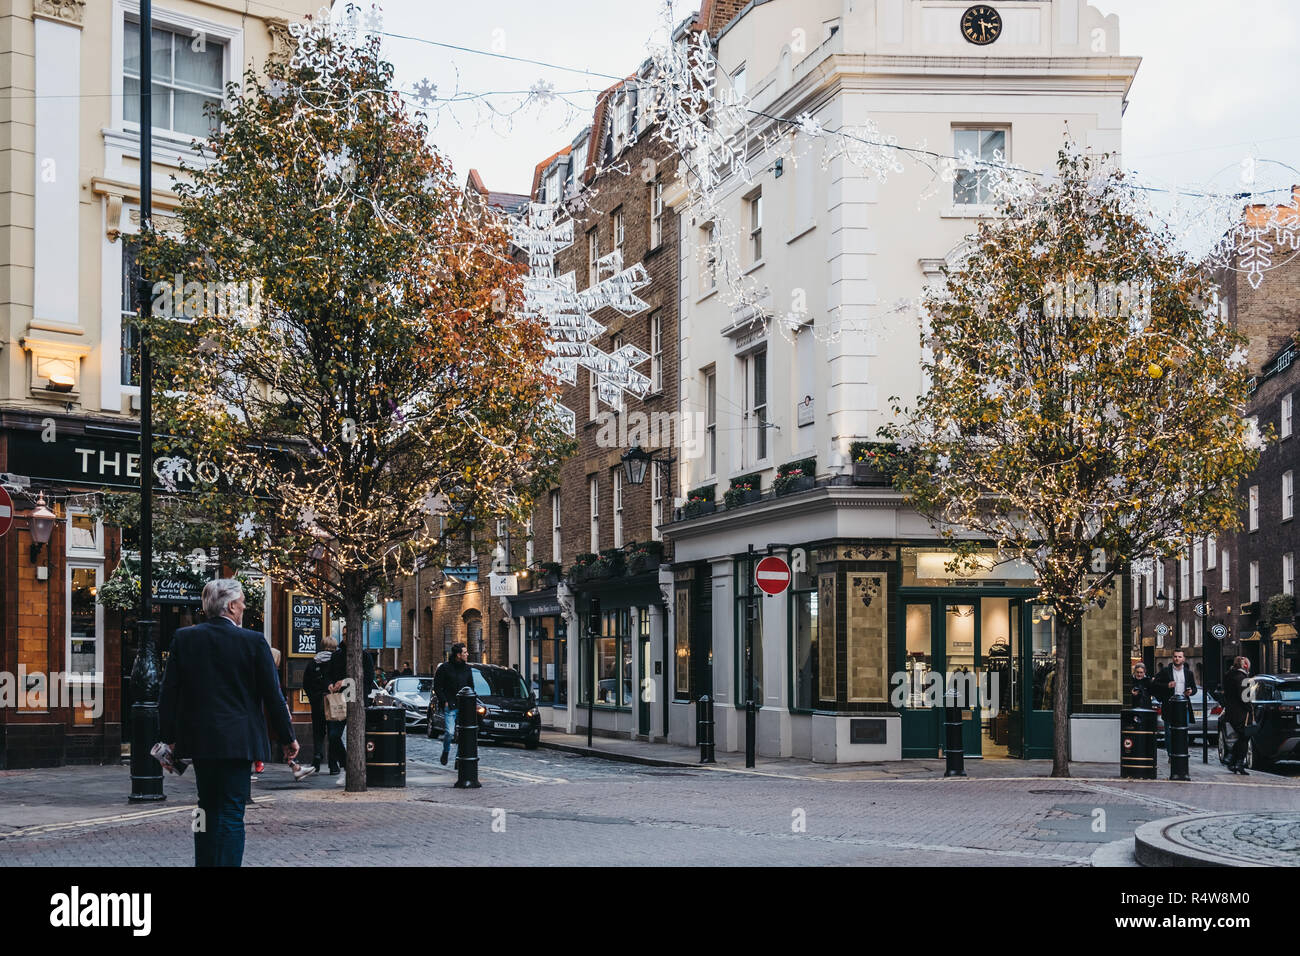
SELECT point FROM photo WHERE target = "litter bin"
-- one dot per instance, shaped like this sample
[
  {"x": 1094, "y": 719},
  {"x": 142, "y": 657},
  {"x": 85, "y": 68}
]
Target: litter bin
[
  {"x": 1137, "y": 744},
  {"x": 385, "y": 747}
]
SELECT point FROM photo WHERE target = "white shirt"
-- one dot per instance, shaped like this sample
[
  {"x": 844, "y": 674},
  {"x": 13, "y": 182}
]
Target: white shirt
[{"x": 1180, "y": 680}]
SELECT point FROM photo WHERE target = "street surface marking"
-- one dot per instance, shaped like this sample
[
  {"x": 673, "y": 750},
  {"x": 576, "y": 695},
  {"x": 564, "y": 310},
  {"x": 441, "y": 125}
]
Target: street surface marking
[{"x": 43, "y": 828}]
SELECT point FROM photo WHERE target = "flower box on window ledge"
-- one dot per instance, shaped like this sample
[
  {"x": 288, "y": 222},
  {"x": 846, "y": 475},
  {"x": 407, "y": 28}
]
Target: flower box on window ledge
[
  {"x": 795, "y": 476},
  {"x": 700, "y": 502},
  {"x": 548, "y": 574},
  {"x": 644, "y": 556},
  {"x": 582, "y": 567},
  {"x": 610, "y": 564},
  {"x": 874, "y": 462},
  {"x": 744, "y": 490}
]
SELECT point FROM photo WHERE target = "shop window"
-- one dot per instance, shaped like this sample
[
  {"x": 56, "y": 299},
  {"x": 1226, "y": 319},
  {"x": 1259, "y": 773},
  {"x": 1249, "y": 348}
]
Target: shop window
[
  {"x": 547, "y": 675},
  {"x": 610, "y": 651},
  {"x": 85, "y": 631},
  {"x": 1042, "y": 631},
  {"x": 803, "y": 604},
  {"x": 85, "y": 535},
  {"x": 682, "y": 643}
]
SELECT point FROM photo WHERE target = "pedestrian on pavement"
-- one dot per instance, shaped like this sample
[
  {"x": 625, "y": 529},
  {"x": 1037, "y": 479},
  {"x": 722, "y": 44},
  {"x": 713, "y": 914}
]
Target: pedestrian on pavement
[
  {"x": 406, "y": 670},
  {"x": 1237, "y": 713},
  {"x": 1141, "y": 687},
  {"x": 448, "y": 679},
  {"x": 337, "y": 674},
  {"x": 218, "y": 689},
  {"x": 1174, "y": 678},
  {"x": 315, "y": 685}
]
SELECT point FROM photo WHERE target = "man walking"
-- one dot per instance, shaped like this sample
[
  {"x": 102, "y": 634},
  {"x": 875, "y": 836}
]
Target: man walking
[
  {"x": 219, "y": 678},
  {"x": 1236, "y": 711},
  {"x": 451, "y": 676},
  {"x": 1175, "y": 678}
]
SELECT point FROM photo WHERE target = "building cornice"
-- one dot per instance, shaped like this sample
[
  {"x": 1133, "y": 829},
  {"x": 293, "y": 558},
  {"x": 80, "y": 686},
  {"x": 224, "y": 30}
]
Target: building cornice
[
  {"x": 826, "y": 498},
  {"x": 68, "y": 12}
]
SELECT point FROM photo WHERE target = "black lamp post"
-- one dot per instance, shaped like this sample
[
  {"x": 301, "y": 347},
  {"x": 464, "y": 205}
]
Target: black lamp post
[{"x": 146, "y": 672}]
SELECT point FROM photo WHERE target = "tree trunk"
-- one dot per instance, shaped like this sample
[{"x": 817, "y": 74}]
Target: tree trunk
[
  {"x": 356, "y": 728},
  {"x": 1068, "y": 627}
]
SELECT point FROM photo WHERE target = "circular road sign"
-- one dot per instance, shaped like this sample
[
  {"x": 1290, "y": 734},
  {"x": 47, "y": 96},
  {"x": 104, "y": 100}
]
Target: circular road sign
[
  {"x": 6, "y": 512},
  {"x": 1219, "y": 631},
  {"x": 772, "y": 575}
]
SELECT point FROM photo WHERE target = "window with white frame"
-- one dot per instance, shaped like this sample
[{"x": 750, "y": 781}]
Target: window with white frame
[
  {"x": 1252, "y": 499},
  {"x": 1254, "y": 582},
  {"x": 1224, "y": 576},
  {"x": 188, "y": 77},
  {"x": 1211, "y": 551},
  {"x": 593, "y": 494},
  {"x": 593, "y": 394},
  {"x": 622, "y": 121},
  {"x": 656, "y": 503},
  {"x": 618, "y": 505},
  {"x": 1288, "y": 573},
  {"x": 1183, "y": 568},
  {"x": 85, "y": 629},
  {"x": 593, "y": 256},
  {"x": 1198, "y": 568},
  {"x": 656, "y": 351},
  {"x": 530, "y": 553},
  {"x": 618, "y": 229},
  {"x": 503, "y": 545},
  {"x": 754, "y": 215},
  {"x": 130, "y": 328},
  {"x": 1286, "y": 416},
  {"x": 555, "y": 527},
  {"x": 1288, "y": 498},
  {"x": 975, "y": 186},
  {"x": 1160, "y": 584},
  {"x": 1182, "y": 634},
  {"x": 755, "y": 407},
  {"x": 620, "y": 403},
  {"x": 1150, "y": 582},
  {"x": 711, "y": 420},
  {"x": 85, "y": 535},
  {"x": 739, "y": 84},
  {"x": 656, "y": 213}
]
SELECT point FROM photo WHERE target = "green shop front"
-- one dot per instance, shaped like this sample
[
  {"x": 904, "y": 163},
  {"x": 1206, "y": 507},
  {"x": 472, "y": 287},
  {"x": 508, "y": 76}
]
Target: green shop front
[{"x": 852, "y": 662}]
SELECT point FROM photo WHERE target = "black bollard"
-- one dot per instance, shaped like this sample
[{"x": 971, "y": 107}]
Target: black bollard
[
  {"x": 704, "y": 728},
  {"x": 467, "y": 736},
  {"x": 953, "y": 749},
  {"x": 751, "y": 731},
  {"x": 146, "y": 681},
  {"x": 1175, "y": 714}
]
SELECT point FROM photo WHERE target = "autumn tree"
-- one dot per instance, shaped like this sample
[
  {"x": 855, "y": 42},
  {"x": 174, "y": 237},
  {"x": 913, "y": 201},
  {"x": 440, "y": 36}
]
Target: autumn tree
[
  {"x": 1085, "y": 401},
  {"x": 342, "y": 334}
]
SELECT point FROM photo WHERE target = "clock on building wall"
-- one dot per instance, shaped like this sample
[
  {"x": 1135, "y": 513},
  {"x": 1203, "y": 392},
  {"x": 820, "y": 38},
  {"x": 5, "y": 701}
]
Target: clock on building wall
[{"x": 981, "y": 24}]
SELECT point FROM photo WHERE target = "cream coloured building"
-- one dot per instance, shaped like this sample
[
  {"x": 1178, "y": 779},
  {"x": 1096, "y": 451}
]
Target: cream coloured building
[{"x": 835, "y": 260}]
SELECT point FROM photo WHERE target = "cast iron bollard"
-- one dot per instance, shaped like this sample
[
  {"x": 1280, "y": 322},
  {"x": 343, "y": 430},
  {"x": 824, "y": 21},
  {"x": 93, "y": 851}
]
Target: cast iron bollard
[
  {"x": 1137, "y": 744},
  {"x": 146, "y": 681},
  {"x": 704, "y": 728},
  {"x": 467, "y": 732},
  {"x": 1175, "y": 713},
  {"x": 953, "y": 749},
  {"x": 751, "y": 731}
]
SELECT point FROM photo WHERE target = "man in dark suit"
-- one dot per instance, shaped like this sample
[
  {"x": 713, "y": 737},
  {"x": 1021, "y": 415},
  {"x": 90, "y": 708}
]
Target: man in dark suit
[
  {"x": 1236, "y": 711},
  {"x": 219, "y": 678},
  {"x": 1174, "y": 678}
]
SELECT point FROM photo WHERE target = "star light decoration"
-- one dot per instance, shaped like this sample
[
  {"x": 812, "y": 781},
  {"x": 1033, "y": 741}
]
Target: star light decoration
[{"x": 569, "y": 313}]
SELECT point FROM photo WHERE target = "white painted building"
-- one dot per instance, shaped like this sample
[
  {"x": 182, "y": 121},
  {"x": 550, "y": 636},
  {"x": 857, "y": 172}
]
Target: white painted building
[{"x": 836, "y": 261}]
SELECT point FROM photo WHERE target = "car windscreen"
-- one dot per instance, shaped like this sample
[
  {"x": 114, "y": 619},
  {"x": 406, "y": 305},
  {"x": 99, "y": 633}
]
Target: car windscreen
[
  {"x": 503, "y": 683},
  {"x": 413, "y": 685}
]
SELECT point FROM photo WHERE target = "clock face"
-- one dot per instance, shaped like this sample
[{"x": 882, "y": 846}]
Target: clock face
[{"x": 981, "y": 24}]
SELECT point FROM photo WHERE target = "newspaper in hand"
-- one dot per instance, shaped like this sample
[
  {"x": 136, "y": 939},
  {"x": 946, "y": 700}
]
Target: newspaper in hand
[{"x": 170, "y": 762}]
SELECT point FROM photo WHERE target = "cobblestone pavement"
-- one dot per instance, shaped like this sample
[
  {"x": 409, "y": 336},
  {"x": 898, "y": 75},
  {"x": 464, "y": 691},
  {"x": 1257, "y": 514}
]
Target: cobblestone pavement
[{"x": 544, "y": 807}]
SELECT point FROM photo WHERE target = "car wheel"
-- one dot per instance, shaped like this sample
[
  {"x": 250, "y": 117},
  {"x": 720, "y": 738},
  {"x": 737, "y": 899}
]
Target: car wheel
[
  {"x": 429, "y": 729},
  {"x": 1253, "y": 760},
  {"x": 533, "y": 742},
  {"x": 1223, "y": 753}
]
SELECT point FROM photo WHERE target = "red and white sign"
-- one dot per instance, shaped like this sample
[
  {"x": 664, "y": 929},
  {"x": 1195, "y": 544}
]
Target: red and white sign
[
  {"x": 6, "y": 512},
  {"x": 772, "y": 575}
]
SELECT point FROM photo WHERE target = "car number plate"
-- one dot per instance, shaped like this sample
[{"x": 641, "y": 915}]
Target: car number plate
[{"x": 505, "y": 725}]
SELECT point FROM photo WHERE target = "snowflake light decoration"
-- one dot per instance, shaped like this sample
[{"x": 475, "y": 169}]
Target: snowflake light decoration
[{"x": 426, "y": 92}]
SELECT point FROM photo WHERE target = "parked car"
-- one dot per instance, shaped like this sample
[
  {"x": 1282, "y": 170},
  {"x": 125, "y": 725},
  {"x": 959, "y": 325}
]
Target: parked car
[
  {"x": 1276, "y": 711},
  {"x": 507, "y": 709},
  {"x": 413, "y": 694},
  {"x": 1194, "y": 727}
]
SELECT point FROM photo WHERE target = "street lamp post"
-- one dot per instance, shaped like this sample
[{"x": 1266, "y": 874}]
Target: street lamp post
[{"x": 146, "y": 672}]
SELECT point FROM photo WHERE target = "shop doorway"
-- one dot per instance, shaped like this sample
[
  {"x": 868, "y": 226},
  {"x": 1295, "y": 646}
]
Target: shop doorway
[
  {"x": 941, "y": 652},
  {"x": 645, "y": 693}
]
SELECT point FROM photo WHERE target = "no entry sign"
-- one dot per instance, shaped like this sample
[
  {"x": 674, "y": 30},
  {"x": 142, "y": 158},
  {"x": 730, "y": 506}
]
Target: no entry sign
[
  {"x": 6, "y": 512},
  {"x": 772, "y": 575}
]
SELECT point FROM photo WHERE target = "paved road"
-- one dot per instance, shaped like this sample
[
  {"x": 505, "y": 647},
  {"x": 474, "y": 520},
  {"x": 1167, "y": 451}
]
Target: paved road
[{"x": 543, "y": 807}]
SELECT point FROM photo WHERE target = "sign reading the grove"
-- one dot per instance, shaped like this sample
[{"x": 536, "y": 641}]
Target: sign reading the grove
[
  {"x": 91, "y": 460},
  {"x": 306, "y": 625}
]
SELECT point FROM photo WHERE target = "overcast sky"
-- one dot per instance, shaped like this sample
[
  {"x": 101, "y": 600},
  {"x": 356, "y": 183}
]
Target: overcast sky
[{"x": 1217, "y": 82}]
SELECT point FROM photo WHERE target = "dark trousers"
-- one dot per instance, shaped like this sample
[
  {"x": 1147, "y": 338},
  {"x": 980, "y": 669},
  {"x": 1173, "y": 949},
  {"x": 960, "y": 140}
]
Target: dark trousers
[
  {"x": 219, "y": 830},
  {"x": 1238, "y": 752},
  {"x": 338, "y": 755},
  {"x": 317, "y": 730}
]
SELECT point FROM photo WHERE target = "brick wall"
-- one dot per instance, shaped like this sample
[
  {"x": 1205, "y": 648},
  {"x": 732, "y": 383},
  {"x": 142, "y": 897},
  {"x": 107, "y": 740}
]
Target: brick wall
[{"x": 600, "y": 448}]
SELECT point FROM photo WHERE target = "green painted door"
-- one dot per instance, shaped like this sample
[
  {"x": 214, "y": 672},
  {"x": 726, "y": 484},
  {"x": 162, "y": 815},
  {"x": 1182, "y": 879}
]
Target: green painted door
[
  {"x": 1040, "y": 681},
  {"x": 962, "y": 664},
  {"x": 922, "y": 654}
]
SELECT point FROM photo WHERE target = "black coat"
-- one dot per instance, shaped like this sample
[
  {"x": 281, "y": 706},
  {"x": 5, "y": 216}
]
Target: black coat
[
  {"x": 1160, "y": 683},
  {"x": 337, "y": 669},
  {"x": 219, "y": 679},
  {"x": 1234, "y": 708},
  {"x": 449, "y": 678},
  {"x": 1142, "y": 693}
]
